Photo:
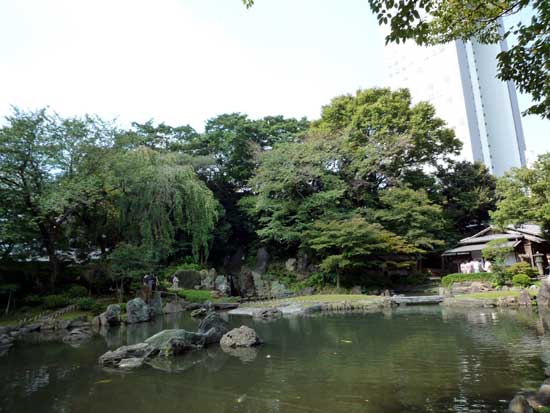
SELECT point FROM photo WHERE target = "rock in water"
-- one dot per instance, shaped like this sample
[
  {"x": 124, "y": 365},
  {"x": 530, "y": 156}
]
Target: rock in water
[
  {"x": 113, "y": 358},
  {"x": 543, "y": 297},
  {"x": 77, "y": 335},
  {"x": 240, "y": 337},
  {"x": 138, "y": 311},
  {"x": 111, "y": 316},
  {"x": 213, "y": 328},
  {"x": 173, "y": 342},
  {"x": 268, "y": 314},
  {"x": 519, "y": 405}
]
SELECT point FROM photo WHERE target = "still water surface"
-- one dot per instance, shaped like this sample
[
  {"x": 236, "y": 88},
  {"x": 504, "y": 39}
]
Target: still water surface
[{"x": 418, "y": 359}]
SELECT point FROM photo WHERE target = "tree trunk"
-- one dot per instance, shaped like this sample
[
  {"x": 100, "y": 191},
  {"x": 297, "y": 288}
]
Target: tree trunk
[
  {"x": 8, "y": 306},
  {"x": 337, "y": 279}
]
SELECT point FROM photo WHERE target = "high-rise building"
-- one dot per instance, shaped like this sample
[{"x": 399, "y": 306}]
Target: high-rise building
[{"x": 459, "y": 79}]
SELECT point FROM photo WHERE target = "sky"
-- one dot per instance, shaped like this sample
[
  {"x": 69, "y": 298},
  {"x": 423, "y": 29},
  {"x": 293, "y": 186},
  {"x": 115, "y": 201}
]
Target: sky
[{"x": 185, "y": 61}]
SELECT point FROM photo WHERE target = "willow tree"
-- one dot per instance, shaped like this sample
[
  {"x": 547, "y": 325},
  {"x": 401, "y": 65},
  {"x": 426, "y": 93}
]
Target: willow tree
[{"x": 162, "y": 200}]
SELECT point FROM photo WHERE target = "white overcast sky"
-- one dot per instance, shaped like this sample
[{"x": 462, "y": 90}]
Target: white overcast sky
[{"x": 184, "y": 61}]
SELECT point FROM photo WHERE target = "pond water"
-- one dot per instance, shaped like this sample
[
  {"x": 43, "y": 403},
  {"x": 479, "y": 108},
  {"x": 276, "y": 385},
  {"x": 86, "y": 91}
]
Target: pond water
[{"x": 417, "y": 359}]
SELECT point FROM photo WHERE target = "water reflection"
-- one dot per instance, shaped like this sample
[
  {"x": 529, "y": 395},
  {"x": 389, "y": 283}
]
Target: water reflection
[{"x": 412, "y": 359}]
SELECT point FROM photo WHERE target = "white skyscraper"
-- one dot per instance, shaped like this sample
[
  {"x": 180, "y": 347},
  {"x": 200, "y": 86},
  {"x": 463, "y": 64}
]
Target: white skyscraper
[{"x": 459, "y": 79}]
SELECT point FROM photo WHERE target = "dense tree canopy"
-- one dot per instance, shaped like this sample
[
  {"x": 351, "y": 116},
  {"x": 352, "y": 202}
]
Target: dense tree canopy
[{"x": 525, "y": 196}]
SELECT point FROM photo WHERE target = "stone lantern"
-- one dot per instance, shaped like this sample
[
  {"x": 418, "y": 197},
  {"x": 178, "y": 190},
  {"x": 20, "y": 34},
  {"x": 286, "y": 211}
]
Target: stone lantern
[{"x": 539, "y": 262}]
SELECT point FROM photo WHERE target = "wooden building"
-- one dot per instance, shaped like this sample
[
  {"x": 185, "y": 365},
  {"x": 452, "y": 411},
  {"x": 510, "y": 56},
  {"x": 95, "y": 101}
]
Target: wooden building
[{"x": 526, "y": 241}]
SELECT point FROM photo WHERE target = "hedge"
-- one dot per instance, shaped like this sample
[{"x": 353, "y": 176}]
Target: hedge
[{"x": 450, "y": 279}]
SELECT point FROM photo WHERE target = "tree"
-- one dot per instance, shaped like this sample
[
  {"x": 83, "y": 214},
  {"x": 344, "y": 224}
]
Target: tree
[
  {"x": 387, "y": 136},
  {"x": 162, "y": 201},
  {"x": 411, "y": 215},
  {"x": 524, "y": 196},
  {"x": 48, "y": 171},
  {"x": 496, "y": 251},
  {"x": 467, "y": 192},
  {"x": 429, "y": 22},
  {"x": 129, "y": 262},
  {"x": 349, "y": 244}
]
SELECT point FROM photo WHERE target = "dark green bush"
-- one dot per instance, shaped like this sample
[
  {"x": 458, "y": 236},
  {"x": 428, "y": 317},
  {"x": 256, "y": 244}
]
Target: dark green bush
[
  {"x": 521, "y": 280},
  {"x": 77, "y": 291},
  {"x": 521, "y": 268},
  {"x": 450, "y": 279},
  {"x": 32, "y": 300},
  {"x": 86, "y": 303},
  {"x": 97, "y": 308},
  {"x": 56, "y": 301},
  {"x": 123, "y": 307}
]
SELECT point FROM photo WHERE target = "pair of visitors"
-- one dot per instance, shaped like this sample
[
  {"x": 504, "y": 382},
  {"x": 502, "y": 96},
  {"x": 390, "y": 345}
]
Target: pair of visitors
[{"x": 469, "y": 267}]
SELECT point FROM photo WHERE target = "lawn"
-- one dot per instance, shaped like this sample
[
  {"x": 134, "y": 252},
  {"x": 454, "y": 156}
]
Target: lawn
[{"x": 317, "y": 299}]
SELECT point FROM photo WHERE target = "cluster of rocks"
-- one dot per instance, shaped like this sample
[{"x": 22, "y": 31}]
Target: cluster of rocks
[
  {"x": 167, "y": 343},
  {"x": 534, "y": 401},
  {"x": 70, "y": 331}
]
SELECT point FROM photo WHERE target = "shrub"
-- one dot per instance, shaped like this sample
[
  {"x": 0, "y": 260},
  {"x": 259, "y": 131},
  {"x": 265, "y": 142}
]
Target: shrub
[
  {"x": 521, "y": 268},
  {"x": 97, "y": 308},
  {"x": 86, "y": 304},
  {"x": 56, "y": 301},
  {"x": 195, "y": 296},
  {"x": 32, "y": 300},
  {"x": 521, "y": 280},
  {"x": 77, "y": 291},
  {"x": 450, "y": 279},
  {"x": 123, "y": 308}
]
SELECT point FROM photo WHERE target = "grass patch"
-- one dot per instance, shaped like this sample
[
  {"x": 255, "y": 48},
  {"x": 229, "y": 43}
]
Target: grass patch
[
  {"x": 317, "y": 299},
  {"x": 195, "y": 296},
  {"x": 450, "y": 279},
  {"x": 491, "y": 295},
  {"x": 71, "y": 315}
]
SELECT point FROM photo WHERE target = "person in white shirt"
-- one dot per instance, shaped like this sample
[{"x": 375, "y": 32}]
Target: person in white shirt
[{"x": 476, "y": 266}]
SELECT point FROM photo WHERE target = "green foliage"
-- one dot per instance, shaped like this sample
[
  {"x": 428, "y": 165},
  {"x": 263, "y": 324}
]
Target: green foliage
[
  {"x": 130, "y": 262},
  {"x": 496, "y": 251},
  {"x": 521, "y": 280},
  {"x": 448, "y": 280},
  {"x": 436, "y": 22},
  {"x": 188, "y": 265},
  {"x": 55, "y": 301},
  {"x": 467, "y": 192},
  {"x": 122, "y": 307},
  {"x": 351, "y": 244},
  {"x": 86, "y": 303},
  {"x": 77, "y": 291},
  {"x": 32, "y": 300},
  {"x": 195, "y": 296},
  {"x": 524, "y": 197},
  {"x": 97, "y": 308},
  {"x": 522, "y": 268}
]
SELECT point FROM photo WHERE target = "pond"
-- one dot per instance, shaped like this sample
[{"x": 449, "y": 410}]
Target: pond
[{"x": 415, "y": 359}]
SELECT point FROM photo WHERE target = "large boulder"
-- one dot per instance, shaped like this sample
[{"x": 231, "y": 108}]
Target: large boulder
[
  {"x": 177, "y": 341},
  {"x": 137, "y": 311},
  {"x": 279, "y": 290},
  {"x": 507, "y": 301},
  {"x": 262, "y": 259},
  {"x": 207, "y": 280},
  {"x": 543, "y": 297},
  {"x": 240, "y": 337},
  {"x": 221, "y": 285},
  {"x": 114, "y": 357},
  {"x": 213, "y": 328},
  {"x": 261, "y": 287},
  {"x": 111, "y": 316}
]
